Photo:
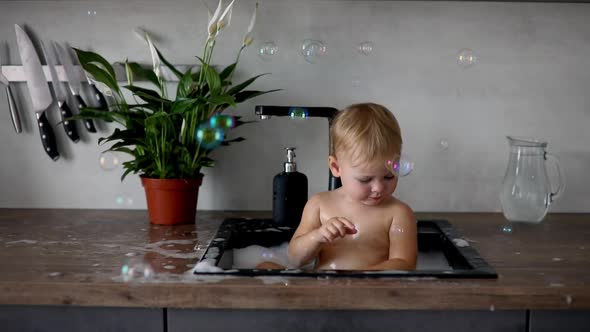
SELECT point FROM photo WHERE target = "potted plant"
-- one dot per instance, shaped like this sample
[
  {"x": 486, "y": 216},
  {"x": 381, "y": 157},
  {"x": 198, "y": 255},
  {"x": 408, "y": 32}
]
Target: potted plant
[{"x": 169, "y": 138}]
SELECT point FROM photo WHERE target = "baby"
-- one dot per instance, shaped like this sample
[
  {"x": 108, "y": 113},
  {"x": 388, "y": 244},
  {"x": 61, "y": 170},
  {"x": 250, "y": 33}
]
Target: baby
[{"x": 359, "y": 226}]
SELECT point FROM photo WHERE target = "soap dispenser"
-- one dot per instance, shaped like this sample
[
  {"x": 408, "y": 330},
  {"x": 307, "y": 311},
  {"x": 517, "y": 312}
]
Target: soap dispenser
[{"x": 289, "y": 193}]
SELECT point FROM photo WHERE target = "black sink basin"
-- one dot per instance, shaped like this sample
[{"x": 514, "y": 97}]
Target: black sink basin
[{"x": 442, "y": 253}]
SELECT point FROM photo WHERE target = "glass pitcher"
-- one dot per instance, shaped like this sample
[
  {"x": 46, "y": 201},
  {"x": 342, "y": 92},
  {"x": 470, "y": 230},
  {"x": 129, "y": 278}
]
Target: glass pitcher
[{"x": 526, "y": 189}]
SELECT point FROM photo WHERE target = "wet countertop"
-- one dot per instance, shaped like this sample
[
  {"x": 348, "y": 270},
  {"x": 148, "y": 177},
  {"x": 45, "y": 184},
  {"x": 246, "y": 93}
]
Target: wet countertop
[{"x": 74, "y": 257}]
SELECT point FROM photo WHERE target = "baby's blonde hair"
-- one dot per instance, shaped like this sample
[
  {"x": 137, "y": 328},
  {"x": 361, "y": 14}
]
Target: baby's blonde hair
[{"x": 365, "y": 132}]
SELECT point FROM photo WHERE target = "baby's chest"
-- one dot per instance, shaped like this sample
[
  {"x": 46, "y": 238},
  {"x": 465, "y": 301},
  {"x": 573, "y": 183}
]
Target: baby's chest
[{"x": 367, "y": 225}]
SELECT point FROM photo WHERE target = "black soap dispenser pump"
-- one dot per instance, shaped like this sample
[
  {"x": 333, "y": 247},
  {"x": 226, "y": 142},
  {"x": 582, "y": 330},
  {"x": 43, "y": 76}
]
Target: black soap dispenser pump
[{"x": 289, "y": 193}]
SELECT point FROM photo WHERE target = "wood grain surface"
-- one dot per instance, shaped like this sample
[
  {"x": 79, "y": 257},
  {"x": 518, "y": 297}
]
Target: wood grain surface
[{"x": 74, "y": 257}]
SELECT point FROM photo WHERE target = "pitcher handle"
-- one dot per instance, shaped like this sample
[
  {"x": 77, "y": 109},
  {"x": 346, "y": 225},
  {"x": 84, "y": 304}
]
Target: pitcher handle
[{"x": 560, "y": 177}]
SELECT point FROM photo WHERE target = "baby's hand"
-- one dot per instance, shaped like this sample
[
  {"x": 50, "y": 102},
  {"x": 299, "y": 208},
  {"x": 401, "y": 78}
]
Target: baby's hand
[{"x": 335, "y": 227}]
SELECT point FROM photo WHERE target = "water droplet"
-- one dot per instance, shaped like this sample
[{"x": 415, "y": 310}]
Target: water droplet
[
  {"x": 466, "y": 58},
  {"x": 268, "y": 50},
  {"x": 313, "y": 50},
  {"x": 108, "y": 161},
  {"x": 366, "y": 48}
]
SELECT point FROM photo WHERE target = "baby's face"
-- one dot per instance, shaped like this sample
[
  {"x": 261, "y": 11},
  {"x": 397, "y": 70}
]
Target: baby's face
[{"x": 368, "y": 183}]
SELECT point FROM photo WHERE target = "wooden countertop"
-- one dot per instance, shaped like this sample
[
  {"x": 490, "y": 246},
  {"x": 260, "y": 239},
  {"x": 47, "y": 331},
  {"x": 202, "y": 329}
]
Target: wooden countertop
[{"x": 74, "y": 257}]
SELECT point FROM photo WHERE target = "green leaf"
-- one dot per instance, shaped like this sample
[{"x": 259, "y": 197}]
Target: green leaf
[
  {"x": 168, "y": 64},
  {"x": 183, "y": 105},
  {"x": 141, "y": 73},
  {"x": 102, "y": 76},
  {"x": 92, "y": 113},
  {"x": 185, "y": 85},
  {"x": 221, "y": 100},
  {"x": 213, "y": 79},
  {"x": 237, "y": 88},
  {"x": 225, "y": 73},
  {"x": 148, "y": 95},
  {"x": 86, "y": 57}
]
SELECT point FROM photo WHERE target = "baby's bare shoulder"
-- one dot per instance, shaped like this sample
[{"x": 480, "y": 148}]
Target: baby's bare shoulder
[{"x": 401, "y": 212}]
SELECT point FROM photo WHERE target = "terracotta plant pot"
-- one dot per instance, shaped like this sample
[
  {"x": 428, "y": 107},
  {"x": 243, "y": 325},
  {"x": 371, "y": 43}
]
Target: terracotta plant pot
[{"x": 172, "y": 201}]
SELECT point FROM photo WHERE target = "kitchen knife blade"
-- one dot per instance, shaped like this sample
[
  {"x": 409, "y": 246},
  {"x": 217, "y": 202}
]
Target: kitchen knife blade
[
  {"x": 73, "y": 82},
  {"x": 60, "y": 96},
  {"x": 98, "y": 96},
  {"x": 11, "y": 104},
  {"x": 38, "y": 89}
]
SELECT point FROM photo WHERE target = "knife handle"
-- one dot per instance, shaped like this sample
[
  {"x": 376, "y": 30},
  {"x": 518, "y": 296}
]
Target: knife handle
[
  {"x": 13, "y": 110},
  {"x": 47, "y": 136},
  {"x": 99, "y": 97},
  {"x": 69, "y": 125},
  {"x": 87, "y": 122}
]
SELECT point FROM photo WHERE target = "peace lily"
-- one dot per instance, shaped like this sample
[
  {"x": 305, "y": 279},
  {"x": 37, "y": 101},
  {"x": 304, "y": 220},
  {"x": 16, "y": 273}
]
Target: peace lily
[
  {"x": 248, "y": 38},
  {"x": 163, "y": 136}
]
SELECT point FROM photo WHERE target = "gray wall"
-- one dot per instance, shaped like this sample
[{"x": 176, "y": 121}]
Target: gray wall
[{"x": 532, "y": 79}]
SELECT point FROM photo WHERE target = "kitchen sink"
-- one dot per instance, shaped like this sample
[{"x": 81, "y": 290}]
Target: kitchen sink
[{"x": 442, "y": 253}]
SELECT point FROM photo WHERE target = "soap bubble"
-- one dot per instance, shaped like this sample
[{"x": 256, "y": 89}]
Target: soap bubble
[
  {"x": 366, "y": 48},
  {"x": 268, "y": 50},
  {"x": 507, "y": 228},
  {"x": 466, "y": 58},
  {"x": 108, "y": 161},
  {"x": 209, "y": 137},
  {"x": 313, "y": 50},
  {"x": 298, "y": 113},
  {"x": 123, "y": 200},
  {"x": 222, "y": 121},
  {"x": 400, "y": 166},
  {"x": 443, "y": 145},
  {"x": 134, "y": 270}
]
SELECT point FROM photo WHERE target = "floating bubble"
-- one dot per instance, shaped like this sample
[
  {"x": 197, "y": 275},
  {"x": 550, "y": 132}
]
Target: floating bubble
[
  {"x": 108, "y": 161},
  {"x": 209, "y": 137},
  {"x": 136, "y": 271},
  {"x": 313, "y": 50},
  {"x": 366, "y": 48},
  {"x": 268, "y": 50},
  {"x": 222, "y": 121},
  {"x": 443, "y": 145},
  {"x": 400, "y": 166},
  {"x": 298, "y": 113},
  {"x": 124, "y": 200},
  {"x": 466, "y": 58}
]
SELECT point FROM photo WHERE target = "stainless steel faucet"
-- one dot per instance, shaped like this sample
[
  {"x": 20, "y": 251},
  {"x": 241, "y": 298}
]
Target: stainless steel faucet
[{"x": 266, "y": 111}]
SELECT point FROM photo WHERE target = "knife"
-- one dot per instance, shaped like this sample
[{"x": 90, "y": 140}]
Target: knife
[
  {"x": 98, "y": 96},
  {"x": 38, "y": 89},
  {"x": 11, "y": 104},
  {"x": 60, "y": 96},
  {"x": 73, "y": 82}
]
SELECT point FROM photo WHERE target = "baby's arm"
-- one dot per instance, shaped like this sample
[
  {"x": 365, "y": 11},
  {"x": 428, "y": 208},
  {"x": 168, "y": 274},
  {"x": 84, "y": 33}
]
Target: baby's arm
[
  {"x": 403, "y": 241},
  {"x": 311, "y": 234}
]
